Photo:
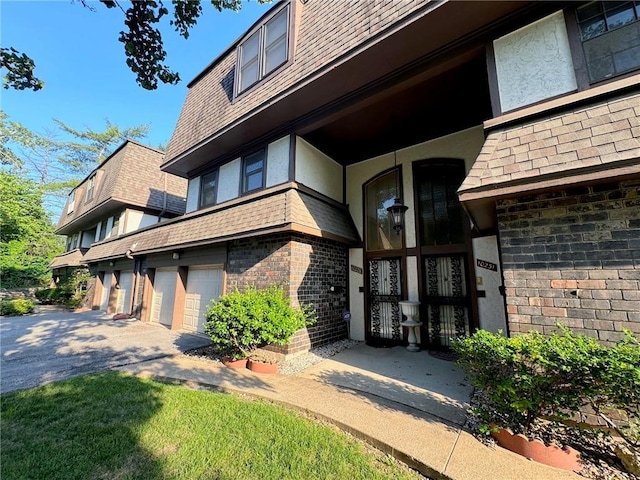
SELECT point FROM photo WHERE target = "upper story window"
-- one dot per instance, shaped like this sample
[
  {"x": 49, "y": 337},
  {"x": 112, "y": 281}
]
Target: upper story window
[
  {"x": 90, "y": 186},
  {"x": 253, "y": 171},
  {"x": 103, "y": 229},
  {"x": 264, "y": 51},
  {"x": 71, "y": 202},
  {"x": 610, "y": 34},
  {"x": 208, "y": 187}
]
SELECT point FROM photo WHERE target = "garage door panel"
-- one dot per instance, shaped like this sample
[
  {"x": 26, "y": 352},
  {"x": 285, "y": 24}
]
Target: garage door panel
[
  {"x": 124, "y": 292},
  {"x": 106, "y": 289},
  {"x": 164, "y": 292},
  {"x": 203, "y": 285}
]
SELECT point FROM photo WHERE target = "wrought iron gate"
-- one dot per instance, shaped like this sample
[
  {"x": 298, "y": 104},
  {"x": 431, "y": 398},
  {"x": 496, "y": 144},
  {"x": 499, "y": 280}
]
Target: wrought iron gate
[
  {"x": 447, "y": 301},
  {"x": 385, "y": 290}
]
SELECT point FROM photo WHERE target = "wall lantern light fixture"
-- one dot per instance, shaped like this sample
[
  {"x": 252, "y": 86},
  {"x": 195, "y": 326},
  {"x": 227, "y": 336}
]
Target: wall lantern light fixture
[{"x": 398, "y": 209}]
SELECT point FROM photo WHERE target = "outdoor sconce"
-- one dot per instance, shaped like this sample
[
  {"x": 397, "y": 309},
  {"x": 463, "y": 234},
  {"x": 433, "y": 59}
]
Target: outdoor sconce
[
  {"x": 397, "y": 211},
  {"x": 112, "y": 263},
  {"x": 175, "y": 255}
]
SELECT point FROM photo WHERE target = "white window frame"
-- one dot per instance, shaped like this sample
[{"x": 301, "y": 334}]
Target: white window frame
[
  {"x": 71, "y": 202},
  {"x": 91, "y": 185},
  {"x": 261, "y": 33}
]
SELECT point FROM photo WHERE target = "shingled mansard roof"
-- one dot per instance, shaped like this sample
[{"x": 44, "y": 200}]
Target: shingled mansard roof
[
  {"x": 284, "y": 208},
  {"x": 584, "y": 143},
  {"x": 72, "y": 258},
  {"x": 130, "y": 175}
]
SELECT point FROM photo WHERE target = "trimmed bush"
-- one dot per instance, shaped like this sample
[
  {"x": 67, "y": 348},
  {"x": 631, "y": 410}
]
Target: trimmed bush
[
  {"x": 54, "y": 296},
  {"x": 19, "y": 306},
  {"x": 529, "y": 376},
  {"x": 240, "y": 322}
]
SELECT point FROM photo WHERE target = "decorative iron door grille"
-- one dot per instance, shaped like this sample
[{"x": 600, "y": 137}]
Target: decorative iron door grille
[
  {"x": 447, "y": 302},
  {"x": 384, "y": 293}
]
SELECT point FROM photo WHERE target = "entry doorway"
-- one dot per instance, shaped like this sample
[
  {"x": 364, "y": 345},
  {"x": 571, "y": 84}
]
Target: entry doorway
[
  {"x": 444, "y": 237},
  {"x": 384, "y": 262}
]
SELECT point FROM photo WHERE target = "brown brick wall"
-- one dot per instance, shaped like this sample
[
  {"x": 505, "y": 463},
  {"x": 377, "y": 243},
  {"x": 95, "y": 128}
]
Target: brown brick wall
[
  {"x": 573, "y": 257},
  {"x": 307, "y": 267}
]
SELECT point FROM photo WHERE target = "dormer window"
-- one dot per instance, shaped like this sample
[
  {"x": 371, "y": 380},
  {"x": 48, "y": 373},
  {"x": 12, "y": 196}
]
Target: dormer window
[
  {"x": 71, "y": 202},
  {"x": 90, "y": 186},
  {"x": 264, "y": 51}
]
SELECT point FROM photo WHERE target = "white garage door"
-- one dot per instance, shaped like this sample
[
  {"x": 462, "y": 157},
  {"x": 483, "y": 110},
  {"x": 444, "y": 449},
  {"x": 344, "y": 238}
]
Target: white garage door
[
  {"x": 164, "y": 292},
  {"x": 106, "y": 289},
  {"x": 124, "y": 292},
  {"x": 203, "y": 285}
]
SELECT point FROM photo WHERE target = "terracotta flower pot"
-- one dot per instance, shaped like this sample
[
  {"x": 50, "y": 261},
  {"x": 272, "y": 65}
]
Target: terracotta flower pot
[
  {"x": 233, "y": 363},
  {"x": 261, "y": 367},
  {"x": 566, "y": 458}
]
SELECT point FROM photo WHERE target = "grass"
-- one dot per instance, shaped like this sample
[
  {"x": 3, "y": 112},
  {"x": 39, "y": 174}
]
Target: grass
[{"x": 116, "y": 426}]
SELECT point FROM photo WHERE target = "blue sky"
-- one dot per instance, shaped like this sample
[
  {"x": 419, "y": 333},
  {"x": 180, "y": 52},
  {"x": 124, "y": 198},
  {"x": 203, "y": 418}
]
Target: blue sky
[{"x": 82, "y": 63}]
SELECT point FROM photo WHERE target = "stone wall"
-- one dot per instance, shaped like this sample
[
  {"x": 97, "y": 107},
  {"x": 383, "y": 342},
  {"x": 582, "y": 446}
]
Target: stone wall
[
  {"x": 573, "y": 257},
  {"x": 307, "y": 267}
]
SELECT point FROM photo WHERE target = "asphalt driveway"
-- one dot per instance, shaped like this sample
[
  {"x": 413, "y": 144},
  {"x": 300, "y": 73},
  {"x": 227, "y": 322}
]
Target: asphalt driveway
[{"x": 45, "y": 347}]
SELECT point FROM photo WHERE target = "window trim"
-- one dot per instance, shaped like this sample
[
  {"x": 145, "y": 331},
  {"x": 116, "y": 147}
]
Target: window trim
[
  {"x": 260, "y": 31},
  {"x": 243, "y": 171},
  {"x": 576, "y": 45},
  {"x": 91, "y": 185},
  {"x": 71, "y": 202},
  {"x": 201, "y": 203}
]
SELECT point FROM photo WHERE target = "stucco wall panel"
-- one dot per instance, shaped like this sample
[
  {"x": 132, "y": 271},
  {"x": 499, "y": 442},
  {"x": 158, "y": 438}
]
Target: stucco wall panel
[
  {"x": 534, "y": 63},
  {"x": 318, "y": 171}
]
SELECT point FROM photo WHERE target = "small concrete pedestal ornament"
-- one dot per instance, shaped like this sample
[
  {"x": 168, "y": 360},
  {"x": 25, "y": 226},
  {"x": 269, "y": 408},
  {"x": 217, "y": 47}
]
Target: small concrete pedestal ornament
[{"x": 411, "y": 309}]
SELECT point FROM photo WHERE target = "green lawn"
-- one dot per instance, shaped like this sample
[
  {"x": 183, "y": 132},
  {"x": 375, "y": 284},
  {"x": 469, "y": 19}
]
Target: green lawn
[{"x": 116, "y": 426}]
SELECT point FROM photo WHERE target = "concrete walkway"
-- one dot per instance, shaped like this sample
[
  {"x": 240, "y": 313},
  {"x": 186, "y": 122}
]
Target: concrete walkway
[{"x": 408, "y": 405}]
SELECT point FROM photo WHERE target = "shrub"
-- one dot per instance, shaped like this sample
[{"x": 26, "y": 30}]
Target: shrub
[
  {"x": 19, "y": 306},
  {"x": 529, "y": 376},
  {"x": 54, "y": 296},
  {"x": 240, "y": 322}
]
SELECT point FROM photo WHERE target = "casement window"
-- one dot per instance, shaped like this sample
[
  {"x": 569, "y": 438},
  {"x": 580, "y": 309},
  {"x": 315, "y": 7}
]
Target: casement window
[
  {"x": 90, "y": 186},
  {"x": 264, "y": 51},
  {"x": 71, "y": 202},
  {"x": 253, "y": 171},
  {"x": 116, "y": 224},
  {"x": 610, "y": 35},
  {"x": 103, "y": 229},
  {"x": 208, "y": 187}
]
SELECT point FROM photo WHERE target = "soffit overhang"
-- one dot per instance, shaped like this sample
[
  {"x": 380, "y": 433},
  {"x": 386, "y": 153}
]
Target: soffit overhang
[{"x": 377, "y": 64}]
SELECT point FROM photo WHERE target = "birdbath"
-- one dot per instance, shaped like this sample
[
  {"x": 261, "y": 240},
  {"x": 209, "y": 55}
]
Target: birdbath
[{"x": 411, "y": 309}]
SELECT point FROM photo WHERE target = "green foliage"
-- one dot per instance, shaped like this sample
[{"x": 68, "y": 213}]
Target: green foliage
[
  {"x": 19, "y": 69},
  {"x": 18, "y": 306},
  {"x": 27, "y": 241},
  {"x": 530, "y": 376},
  {"x": 55, "y": 296},
  {"x": 240, "y": 322}
]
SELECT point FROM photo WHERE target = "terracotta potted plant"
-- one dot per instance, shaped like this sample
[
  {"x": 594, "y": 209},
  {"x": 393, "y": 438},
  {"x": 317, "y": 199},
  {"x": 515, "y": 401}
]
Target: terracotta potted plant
[
  {"x": 262, "y": 361},
  {"x": 242, "y": 321}
]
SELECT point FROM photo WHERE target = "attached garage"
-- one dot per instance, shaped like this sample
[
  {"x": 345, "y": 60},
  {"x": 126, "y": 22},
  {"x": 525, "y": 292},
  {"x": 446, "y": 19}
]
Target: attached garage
[
  {"x": 164, "y": 293},
  {"x": 125, "y": 286},
  {"x": 106, "y": 289},
  {"x": 203, "y": 285}
]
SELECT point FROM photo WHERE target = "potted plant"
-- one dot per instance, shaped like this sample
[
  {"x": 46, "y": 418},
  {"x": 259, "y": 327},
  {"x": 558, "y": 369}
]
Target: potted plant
[
  {"x": 531, "y": 378},
  {"x": 240, "y": 322}
]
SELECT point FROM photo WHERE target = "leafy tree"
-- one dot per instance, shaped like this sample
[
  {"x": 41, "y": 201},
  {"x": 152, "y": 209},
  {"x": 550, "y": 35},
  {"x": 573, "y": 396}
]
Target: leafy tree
[
  {"x": 143, "y": 44},
  {"x": 27, "y": 241},
  {"x": 19, "y": 70}
]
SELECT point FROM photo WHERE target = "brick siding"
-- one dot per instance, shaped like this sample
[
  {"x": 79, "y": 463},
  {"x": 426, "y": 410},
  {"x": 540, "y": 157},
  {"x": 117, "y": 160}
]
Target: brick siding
[
  {"x": 573, "y": 257},
  {"x": 307, "y": 267}
]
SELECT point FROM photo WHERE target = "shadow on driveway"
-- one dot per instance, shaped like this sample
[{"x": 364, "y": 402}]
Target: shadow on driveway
[{"x": 46, "y": 347}]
